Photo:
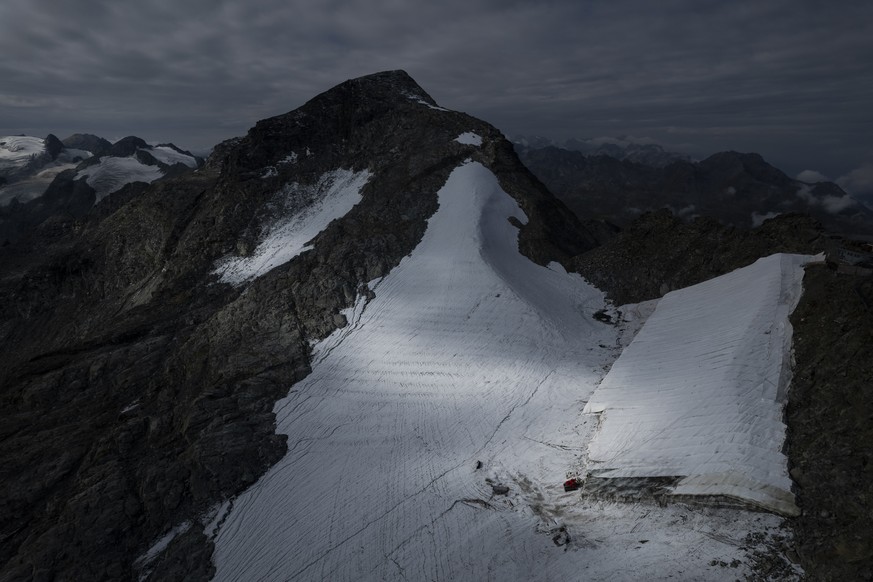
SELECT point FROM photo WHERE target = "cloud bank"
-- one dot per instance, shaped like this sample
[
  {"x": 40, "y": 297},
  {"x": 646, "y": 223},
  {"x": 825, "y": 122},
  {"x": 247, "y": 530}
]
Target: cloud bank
[{"x": 788, "y": 79}]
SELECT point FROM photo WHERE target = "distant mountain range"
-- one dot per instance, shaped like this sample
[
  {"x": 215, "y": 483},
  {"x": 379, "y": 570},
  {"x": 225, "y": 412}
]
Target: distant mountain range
[
  {"x": 739, "y": 189},
  {"x": 641, "y": 151},
  {"x": 41, "y": 177},
  {"x": 29, "y": 164}
]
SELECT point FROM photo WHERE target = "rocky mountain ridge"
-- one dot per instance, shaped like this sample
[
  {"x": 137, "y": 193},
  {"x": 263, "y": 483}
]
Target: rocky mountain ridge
[
  {"x": 627, "y": 148},
  {"x": 138, "y": 388},
  {"x": 145, "y": 397}
]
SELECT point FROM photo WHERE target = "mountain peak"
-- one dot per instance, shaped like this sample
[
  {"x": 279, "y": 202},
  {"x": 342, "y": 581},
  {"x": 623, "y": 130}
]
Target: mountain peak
[
  {"x": 88, "y": 142},
  {"x": 398, "y": 82},
  {"x": 390, "y": 88}
]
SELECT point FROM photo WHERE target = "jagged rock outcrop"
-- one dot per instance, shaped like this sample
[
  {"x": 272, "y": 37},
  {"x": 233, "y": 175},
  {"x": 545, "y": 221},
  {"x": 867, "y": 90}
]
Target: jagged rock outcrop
[
  {"x": 735, "y": 188},
  {"x": 53, "y": 146},
  {"x": 138, "y": 389}
]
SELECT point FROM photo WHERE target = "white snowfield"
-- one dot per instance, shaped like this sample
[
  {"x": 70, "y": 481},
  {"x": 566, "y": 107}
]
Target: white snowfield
[
  {"x": 169, "y": 156},
  {"x": 699, "y": 393},
  {"x": 17, "y": 150},
  {"x": 331, "y": 197},
  {"x": 470, "y": 368},
  {"x": 112, "y": 174},
  {"x": 469, "y": 138}
]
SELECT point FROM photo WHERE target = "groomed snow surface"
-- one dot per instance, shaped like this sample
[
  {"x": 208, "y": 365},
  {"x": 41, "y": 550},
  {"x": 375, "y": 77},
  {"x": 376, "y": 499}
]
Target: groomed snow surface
[
  {"x": 470, "y": 368},
  {"x": 331, "y": 197},
  {"x": 699, "y": 393}
]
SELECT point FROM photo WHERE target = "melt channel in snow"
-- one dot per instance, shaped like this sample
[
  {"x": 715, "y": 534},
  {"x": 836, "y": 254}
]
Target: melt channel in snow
[
  {"x": 470, "y": 367},
  {"x": 699, "y": 393},
  {"x": 331, "y": 197}
]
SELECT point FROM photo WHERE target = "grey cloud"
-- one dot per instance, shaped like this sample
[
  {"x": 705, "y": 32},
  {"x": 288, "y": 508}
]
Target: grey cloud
[
  {"x": 859, "y": 181},
  {"x": 789, "y": 79},
  {"x": 811, "y": 177}
]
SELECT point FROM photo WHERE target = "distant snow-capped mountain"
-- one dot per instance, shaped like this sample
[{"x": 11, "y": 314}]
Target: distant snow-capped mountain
[
  {"x": 40, "y": 177},
  {"x": 29, "y": 164},
  {"x": 133, "y": 160}
]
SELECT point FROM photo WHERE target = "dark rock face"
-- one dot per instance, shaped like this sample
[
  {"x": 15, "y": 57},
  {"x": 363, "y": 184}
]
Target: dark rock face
[
  {"x": 138, "y": 392},
  {"x": 126, "y": 146},
  {"x": 659, "y": 252},
  {"x": 91, "y": 143},
  {"x": 647, "y": 154},
  {"x": 737, "y": 189},
  {"x": 53, "y": 146},
  {"x": 829, "y": 430},
  {"x": 64, "y": 201}
]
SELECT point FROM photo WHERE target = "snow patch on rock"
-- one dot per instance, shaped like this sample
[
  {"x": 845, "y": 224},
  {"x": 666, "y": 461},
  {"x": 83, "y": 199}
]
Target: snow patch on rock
[
  {"x": 159, "y": 546},
  {"x": 469, "y": 138},
  {"x": 317, "y": 205},
  {"x": 418, "y": 99}
]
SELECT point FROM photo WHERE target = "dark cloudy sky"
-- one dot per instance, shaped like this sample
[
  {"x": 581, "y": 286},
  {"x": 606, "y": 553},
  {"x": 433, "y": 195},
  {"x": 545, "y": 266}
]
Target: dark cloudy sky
[{"x": 791, "y": 79}]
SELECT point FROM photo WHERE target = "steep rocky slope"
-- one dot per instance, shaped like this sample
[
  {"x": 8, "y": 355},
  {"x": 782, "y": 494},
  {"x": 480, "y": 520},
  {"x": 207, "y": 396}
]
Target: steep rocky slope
[
  {"x": 829, "y": 422},
  {"x": 659, "y": 252},
  {"x": 138, "y": 389}
]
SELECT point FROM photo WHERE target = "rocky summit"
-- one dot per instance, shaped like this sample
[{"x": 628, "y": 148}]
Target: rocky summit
[{"x": 138, "y": 385}]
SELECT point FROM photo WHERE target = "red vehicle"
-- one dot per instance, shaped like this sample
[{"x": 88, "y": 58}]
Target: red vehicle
[{"x": 572, "y": 484}]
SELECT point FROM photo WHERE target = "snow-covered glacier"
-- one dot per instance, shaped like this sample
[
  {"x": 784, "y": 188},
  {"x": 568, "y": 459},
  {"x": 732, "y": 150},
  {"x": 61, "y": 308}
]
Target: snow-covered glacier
[
  {"x": 111, "y": 174},
  {"x": 467, "y": 373}
]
